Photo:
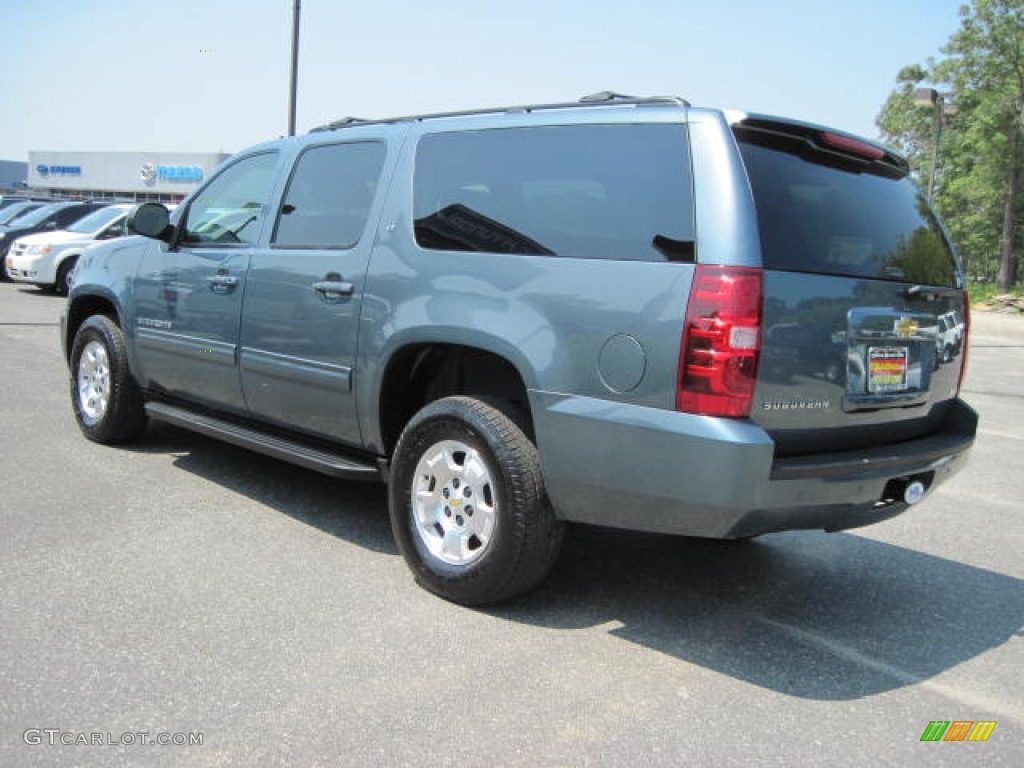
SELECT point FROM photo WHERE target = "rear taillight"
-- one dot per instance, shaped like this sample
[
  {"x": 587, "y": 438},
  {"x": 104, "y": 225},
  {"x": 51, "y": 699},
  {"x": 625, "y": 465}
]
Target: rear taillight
[{"x": 721, "y": 341}]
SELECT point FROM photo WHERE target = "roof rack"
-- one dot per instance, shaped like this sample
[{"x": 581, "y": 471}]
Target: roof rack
[
  {"x": 601, "y": 98},
  {"x": 342, "y": 123}
]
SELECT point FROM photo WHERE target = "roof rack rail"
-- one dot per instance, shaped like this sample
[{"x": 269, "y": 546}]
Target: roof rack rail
[
  {"x": 604, "y": 97},
  {"x": 342, "y": 123}
]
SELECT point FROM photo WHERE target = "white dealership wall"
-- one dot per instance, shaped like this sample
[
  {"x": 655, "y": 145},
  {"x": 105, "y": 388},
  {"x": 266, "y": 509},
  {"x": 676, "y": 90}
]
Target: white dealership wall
[{"x": 135, "y": 175}]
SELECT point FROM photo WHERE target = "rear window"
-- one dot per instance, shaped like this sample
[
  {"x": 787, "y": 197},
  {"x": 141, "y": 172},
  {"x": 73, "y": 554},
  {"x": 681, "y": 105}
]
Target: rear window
[
  {"x": 826, "y": 219},
  {"x": 590, "y": 191}
]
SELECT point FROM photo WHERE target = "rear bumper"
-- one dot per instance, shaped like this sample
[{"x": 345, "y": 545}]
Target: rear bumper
[{"x": 646, "y": 469}]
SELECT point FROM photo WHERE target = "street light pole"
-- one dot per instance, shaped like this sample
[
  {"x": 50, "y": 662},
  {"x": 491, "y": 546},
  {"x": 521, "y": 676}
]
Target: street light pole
[
  {"x": 295, "y": 67},
  {"x": 935, "y": 149},
  {"x": 929, "y": 97}
]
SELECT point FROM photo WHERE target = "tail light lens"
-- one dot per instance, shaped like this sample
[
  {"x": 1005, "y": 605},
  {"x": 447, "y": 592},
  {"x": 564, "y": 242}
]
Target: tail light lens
[{"x": 721, "y": 342}]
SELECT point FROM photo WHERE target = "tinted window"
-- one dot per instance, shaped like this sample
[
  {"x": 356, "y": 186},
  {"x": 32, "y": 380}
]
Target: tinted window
[
  {"x": 13, "y": 212},
  {"x": 96, "y": 220},
  {"x": 825, "y": 219},
  {"x": 228, "y": 210},
  {"x": 329, "y": 196},
  {"x": 595, "y": 191},
  {"x": 39, "y": 215},
  {"x": 69, "y": 215}
]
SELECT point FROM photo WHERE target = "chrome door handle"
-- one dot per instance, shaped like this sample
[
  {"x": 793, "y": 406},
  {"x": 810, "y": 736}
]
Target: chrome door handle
[
  {"x": 332, "y": 289},
  {"x": 222, "y": 283}
]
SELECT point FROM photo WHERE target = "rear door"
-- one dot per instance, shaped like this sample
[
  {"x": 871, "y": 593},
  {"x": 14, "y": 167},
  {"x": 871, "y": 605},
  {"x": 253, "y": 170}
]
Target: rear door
[
  {"x": 302, "y": 301},
  {"x": 859, "y": 281}
]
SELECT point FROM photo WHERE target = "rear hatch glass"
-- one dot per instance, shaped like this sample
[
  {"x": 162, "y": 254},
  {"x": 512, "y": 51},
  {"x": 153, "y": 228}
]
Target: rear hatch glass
[
  {"x": 831, "y": 216},
  {"x": 861, "y": 285}
]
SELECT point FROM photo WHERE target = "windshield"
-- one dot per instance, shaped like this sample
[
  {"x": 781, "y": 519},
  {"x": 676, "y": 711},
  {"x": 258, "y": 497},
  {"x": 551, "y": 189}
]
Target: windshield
[
  {"x": 39, "y": 215},
  {"x": 12, "y": 212},
  {"x": 96, "y": 220},
  {"x": 823, "y": 219}
]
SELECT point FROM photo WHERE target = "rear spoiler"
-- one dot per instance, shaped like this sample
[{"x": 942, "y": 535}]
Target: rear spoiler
[{"x": 820, "y": 144}]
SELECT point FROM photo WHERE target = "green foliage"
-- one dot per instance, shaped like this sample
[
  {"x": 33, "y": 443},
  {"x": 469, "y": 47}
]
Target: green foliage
[
  {"x": 982, "y": 293},
  {"x": 980, "y": 173}
]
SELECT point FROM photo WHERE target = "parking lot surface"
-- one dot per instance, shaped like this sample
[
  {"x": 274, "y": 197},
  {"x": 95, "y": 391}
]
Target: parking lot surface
[{"x": 181, "y": 587}]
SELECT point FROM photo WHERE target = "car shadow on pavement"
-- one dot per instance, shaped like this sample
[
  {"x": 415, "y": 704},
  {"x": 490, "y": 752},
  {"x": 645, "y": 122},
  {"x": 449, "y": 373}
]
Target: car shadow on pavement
[
  {"x": 356, "y": 512},
  {"x": 31, "y": 290},
  {"x": 808, "y": 614}
]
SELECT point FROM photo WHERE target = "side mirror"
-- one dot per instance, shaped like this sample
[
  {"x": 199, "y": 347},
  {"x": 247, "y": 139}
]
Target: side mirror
[{"x": 150, "y": 220}]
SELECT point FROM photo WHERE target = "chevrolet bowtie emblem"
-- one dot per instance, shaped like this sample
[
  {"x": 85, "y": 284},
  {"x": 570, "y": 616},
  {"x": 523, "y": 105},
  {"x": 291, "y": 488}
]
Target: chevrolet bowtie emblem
[{"x": 906, "y": 327}]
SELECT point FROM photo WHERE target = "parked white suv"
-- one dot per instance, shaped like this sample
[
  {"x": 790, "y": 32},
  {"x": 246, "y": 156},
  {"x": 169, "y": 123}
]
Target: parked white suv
[
  {"x": 950, "y": 338},
  {"x": 47, "y": 259}
]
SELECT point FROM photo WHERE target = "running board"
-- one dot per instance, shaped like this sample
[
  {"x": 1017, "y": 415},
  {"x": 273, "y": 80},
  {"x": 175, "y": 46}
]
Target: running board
[{"x": 319, "y": 460}]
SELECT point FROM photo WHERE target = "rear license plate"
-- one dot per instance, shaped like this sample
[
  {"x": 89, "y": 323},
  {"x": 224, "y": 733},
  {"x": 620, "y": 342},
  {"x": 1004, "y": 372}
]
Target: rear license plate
[{"x": 887, "y": 369}]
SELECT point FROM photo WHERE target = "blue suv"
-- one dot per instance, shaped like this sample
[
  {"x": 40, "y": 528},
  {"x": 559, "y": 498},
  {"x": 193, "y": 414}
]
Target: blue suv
[{"x": 627, "y": 312}]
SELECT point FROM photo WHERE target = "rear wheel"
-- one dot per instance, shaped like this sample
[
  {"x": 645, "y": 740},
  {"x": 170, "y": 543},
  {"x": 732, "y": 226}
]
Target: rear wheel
[
  {"x": 104, "y": 396},
  {"x": 468, "y": 506}
]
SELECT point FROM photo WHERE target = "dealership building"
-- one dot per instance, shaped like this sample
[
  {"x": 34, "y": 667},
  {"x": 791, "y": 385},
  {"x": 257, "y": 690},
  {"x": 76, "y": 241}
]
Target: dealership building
[{"x": 164, "y": 177}]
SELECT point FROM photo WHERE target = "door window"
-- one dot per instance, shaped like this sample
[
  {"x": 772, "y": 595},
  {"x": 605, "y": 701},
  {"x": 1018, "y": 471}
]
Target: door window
[
  {"x": 329, "y": 196},
  {"x": 228, "y": 210}
]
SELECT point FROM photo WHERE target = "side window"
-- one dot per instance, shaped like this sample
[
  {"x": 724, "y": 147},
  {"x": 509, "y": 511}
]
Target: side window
[
  {"x": 69, "y": 216},
  {"x": 329, "y": 196},
  {"x": 114, "y": 230},
  {"x": 621, "y": 192},
  {"x": 228, "y": 211}
]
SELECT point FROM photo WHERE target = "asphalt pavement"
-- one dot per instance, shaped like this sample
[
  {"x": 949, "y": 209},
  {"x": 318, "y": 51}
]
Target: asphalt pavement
[{"x": 191, "y": 591}]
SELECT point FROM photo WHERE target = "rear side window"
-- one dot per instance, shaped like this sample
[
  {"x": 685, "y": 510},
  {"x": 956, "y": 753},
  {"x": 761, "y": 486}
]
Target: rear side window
[
  {"x": 70, "y": 215},
  {"x": 594, "y": 192},
  {"x": 827, "y": 219},
  {"x": 329, "y": 196}
]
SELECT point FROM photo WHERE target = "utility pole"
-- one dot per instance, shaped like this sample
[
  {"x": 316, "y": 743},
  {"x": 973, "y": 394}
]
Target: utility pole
[
  {"x": 939, "y": 102},
  {"x": 295, "y": 67}
]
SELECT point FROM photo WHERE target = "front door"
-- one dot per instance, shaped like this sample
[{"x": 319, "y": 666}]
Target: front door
[
  {"x": 301, "y": 312},
  {"x": 188, "y": 296}
]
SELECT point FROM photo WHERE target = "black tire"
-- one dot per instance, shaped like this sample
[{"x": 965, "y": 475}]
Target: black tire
[
  {"x": 108, "y": 384},
  {"x": 61, "y": 287},
  {"x": 525, "y": 536}
]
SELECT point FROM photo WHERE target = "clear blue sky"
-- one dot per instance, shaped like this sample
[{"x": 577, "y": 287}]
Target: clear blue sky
[{"x": 211, "y": 75}]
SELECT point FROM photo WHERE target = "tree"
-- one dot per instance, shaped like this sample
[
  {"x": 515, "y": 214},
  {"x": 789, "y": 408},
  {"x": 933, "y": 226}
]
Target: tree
[
  {"x": 987, "y": 63},
  {"x": 981, "y": 173}
]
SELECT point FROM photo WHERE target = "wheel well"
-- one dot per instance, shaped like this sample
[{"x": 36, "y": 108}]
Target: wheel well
[
  {"x": 422, "y": 373},
  {"x": 68, "y": 259},
  {"x": 84, "y": 308}
]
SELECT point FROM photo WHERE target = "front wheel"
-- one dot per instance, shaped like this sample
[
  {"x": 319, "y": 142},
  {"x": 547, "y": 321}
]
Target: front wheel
[
  {"x": 65, "y": 277},
  {"x": 105, "y": 398},
  {"x": 468, "y": 506}
]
